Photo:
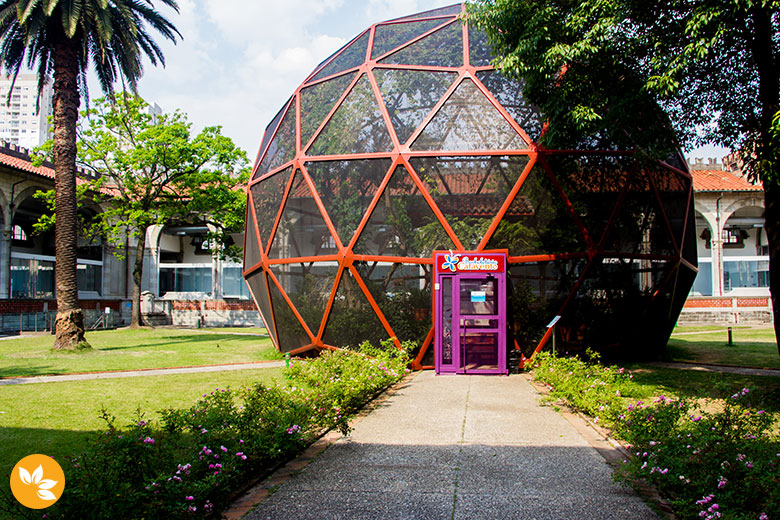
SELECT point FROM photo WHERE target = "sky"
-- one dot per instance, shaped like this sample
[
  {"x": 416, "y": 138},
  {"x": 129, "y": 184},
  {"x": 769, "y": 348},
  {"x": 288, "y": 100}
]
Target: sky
[{"x": 239, "y": 60}]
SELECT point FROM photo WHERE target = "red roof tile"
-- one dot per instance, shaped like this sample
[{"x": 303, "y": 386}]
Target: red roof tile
[
  {"x": 26, "y": 166},
  {"x": 718, "y": 180},
  {"x": 44, "y": 171}
]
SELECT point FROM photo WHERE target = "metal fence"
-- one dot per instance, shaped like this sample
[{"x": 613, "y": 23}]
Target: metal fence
[{"x": 44, "y": 321}]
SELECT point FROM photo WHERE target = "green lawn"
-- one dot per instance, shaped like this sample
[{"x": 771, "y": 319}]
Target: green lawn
[
  {"x": 752, "y": 347},
  {"x": 694, "y": 384},
  {"x": 243, "y": 330},
  {"x": 127, "y": 349},
  {"x": 56, "y": 418}
]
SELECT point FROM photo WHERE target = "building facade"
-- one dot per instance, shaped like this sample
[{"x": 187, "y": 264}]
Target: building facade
[
  {"x": 24, "y": 121},
  {"x": 732, "y": 285},
  {"x": 183, "y": 283}
]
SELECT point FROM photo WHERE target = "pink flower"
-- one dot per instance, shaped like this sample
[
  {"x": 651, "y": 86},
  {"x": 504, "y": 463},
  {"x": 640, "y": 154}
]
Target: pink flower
[{"x": 189, "y": 498}]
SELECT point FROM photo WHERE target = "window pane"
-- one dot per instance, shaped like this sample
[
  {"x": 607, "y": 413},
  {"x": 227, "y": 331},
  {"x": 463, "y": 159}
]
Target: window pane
[
  {"x": 509, "y": 93},
  {"x": 233, "y": 285},
  {"x": 352, "y": 56},
  {"x": 89, "y": 277},
  {"x": 593, "y": 185},
  {"x": 703, "y": 283},
  {"x": 309, "y": 286},
  {"x": 302, "y": 230},
  {"x": 410, "y": 95},
  {"x": 441, "y": 11},
  {"x": 282, "y": 148},
  {"x": 444, "y": 48},
  {"x": 468, "y": 121},
  {"x": 389, "y": 36},
  {"x": 346, "y": 188},
  {"x": 469, "y": 191},
  {"x": 356, "y": 127},
  {"x": 185, "y": 279},
  {"x": 402, "y": 223},
  {"x": 352, "y": 320},
  {"x": 259, "y": 289},
  {"x": 267, "y": 197},
  {"x": 403, "y": 294},
  {"x": 538, "y": 221},
  {"x": 317, "y": 101}
]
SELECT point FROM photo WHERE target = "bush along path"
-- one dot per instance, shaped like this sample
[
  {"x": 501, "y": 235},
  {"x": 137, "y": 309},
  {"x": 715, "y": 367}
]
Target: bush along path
[
  {"x": 188, "y": 464},
  {"x": 722, "y": 463}
]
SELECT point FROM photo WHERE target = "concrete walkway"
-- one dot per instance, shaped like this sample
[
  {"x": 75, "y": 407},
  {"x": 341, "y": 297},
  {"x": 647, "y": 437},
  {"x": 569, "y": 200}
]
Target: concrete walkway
[
  {"x": 139, "y": 373},
  {"x": 457, "y": 447}
]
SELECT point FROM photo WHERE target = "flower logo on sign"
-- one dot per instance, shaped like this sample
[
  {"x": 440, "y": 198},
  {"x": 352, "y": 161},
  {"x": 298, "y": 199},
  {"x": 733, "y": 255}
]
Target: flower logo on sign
[{"x": 450, "y": 262}]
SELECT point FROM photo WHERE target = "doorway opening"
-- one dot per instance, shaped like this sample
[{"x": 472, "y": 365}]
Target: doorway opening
[{"x": 470, "y": 310}]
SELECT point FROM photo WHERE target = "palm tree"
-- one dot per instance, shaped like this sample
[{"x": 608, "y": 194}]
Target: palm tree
[{"x": 62, "y": 38}]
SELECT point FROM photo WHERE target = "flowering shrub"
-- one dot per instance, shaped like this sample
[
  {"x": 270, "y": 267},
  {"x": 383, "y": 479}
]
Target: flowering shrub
[
  {"x": 341, "y": 381},
  {"x": 591, "y": 388},
  {"x": 722, "y": 464},
  {"x": 187, "y": 465}
]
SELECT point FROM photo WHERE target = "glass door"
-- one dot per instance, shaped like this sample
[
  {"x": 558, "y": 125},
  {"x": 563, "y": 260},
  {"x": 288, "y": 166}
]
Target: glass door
[{"x": 479, "y": 325}]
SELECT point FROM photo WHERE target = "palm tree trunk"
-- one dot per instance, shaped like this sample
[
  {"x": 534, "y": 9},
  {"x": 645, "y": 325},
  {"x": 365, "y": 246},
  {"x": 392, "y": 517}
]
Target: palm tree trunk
[
  {"x": 70, "y": 318},
  {"x": 138, "y": 269}
]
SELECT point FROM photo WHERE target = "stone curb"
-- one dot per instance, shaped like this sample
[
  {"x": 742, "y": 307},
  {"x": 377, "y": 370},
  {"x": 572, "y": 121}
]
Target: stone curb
[{"x": 266, "y": 486}]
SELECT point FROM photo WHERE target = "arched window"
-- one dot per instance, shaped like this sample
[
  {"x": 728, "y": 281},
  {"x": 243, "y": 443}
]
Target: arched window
[{"x": 17, "y": 233}]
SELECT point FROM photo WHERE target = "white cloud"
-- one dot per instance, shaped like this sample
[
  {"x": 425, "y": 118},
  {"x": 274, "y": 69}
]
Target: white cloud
[{"x": 240, "y": 60}]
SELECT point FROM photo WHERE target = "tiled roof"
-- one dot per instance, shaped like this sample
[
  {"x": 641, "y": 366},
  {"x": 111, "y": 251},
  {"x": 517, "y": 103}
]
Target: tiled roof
[
  {"x": 26, "y": 166},
  {"x": 718, "y": 180}
]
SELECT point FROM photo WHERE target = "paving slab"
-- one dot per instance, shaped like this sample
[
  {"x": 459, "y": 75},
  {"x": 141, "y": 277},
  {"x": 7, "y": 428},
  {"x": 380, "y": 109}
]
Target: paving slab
[{"x": 457, "y": 447}]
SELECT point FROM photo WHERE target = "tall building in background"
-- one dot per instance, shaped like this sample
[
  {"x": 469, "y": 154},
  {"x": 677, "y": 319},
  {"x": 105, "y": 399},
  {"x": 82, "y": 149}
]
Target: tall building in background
[{"x": 20, "y": 123}]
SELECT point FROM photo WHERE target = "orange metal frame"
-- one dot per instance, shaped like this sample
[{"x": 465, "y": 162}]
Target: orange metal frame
[{"x": 400, "y": 155}]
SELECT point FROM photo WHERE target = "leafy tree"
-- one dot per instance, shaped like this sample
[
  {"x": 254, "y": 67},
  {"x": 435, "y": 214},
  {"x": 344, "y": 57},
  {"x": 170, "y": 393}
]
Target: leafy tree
[
  {"x": 154, "y": 171},
  {"x": 651, "y": 75},
  {"x": 62, "y": 37}
]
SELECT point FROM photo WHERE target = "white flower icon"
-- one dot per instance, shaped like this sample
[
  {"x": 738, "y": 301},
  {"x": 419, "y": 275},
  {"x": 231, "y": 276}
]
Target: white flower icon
[{"x": 37, "y": 480}]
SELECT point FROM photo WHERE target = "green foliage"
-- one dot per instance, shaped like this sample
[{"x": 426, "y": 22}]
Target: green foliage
[
  {"x": 153, "y": 170},
  {"x": 723, "y": 463},
  {"x": 187, "y": 465},
  {"x": 111, "y": 37},
  {"x": 625, "y": 73},
  {"x": 591, "y": 388}
]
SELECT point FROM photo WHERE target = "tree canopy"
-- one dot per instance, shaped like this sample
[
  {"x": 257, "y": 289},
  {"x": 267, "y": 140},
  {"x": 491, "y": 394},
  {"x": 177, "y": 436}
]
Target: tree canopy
[
  {"x": 651, "y": 75},
  {"x": 150, "y": 169}
]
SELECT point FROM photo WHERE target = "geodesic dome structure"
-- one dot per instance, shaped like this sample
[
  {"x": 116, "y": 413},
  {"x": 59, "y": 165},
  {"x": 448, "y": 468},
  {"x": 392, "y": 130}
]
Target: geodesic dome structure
[{"x": 406, "y": 141}]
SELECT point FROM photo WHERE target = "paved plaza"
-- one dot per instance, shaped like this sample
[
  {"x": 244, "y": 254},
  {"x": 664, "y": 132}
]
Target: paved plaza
[{"x": 457, "y": 447}]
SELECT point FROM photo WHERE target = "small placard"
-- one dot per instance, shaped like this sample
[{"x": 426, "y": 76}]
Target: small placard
[
  {"x": 436, "y": 287},
  {"x": 477, "y": 296},
  {"x": 553, "y": 322}
]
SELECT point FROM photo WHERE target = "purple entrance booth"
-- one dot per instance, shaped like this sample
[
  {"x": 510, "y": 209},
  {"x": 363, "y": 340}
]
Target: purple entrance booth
[{"x": 470, "y": 310}]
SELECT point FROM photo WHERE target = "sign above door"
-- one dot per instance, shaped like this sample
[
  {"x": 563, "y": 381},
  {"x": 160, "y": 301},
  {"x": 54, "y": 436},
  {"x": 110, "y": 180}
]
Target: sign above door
[{"x": 467, "y": 262}]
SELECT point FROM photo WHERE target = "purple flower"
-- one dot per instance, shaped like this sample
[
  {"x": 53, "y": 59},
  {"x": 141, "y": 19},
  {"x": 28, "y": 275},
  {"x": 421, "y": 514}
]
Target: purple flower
[
  {"x": 223, "y": 449},
  {"x": 722, "y": 481},
  {"x": 189, "y": 498}
]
